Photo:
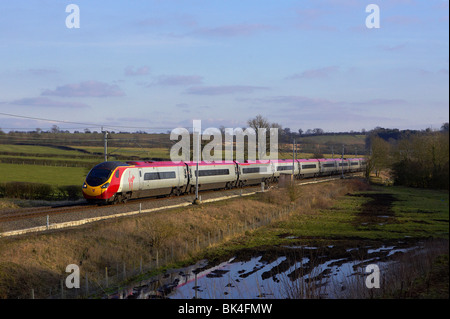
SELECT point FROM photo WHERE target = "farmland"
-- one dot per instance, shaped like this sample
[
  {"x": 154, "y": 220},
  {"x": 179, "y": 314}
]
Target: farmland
[
  {"x": 65, "y": 158},
  {"x": 53, "y": 175}
]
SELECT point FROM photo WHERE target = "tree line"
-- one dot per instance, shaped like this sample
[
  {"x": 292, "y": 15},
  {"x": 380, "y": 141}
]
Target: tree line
[{"x": 414, "y": 158}]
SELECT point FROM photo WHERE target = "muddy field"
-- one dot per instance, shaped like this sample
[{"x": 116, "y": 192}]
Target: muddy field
[
  {"x": 376, "y": 211},
  {"x": 319, "y": 269}
]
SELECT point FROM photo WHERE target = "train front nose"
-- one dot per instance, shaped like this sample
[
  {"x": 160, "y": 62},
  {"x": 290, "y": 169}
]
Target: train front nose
[
  {"x": 92, "y": 191},
  {"x": 97, "y": 182}
]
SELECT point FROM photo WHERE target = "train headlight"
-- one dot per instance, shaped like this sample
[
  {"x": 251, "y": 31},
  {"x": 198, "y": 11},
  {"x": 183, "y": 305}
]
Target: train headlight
[
  {"x": 106, "y": 185},
  {"x": 84, "y": 185}
]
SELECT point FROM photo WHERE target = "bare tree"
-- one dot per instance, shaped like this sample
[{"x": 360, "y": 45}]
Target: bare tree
[
  {"x": 55, "y": 129},
  {"x": 258, "y": 122},
  {"x": 381, "y": 157}
]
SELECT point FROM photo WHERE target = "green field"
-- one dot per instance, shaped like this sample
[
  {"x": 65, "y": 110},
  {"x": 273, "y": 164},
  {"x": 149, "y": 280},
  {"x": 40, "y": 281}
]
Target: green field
[
  {"x": 130, "y": 151},
  {"x": 36, "y": 149},
  {"x": 337, "y": 140},
  {"x": 53, "y": 175},
  {"x": 413, "y": 214}
]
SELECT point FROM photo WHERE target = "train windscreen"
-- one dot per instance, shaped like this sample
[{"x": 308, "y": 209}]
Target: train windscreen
[
  {"x": 101, "y": 172},
  {"x": 98, "y": 176}
]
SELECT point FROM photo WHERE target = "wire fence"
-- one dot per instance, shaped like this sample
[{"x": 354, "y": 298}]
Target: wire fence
[{"x": 112, "y": 280}]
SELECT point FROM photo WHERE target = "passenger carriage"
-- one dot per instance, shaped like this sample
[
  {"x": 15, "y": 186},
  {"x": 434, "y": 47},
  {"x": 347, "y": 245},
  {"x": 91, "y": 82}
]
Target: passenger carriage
[
  {"x": 255, "y": 172},
  {"x": 309, "y": 168},
  {"x": 285, "y": 167},
  {"x": 328, "y": 166},
  {"x": 212, "y": 175}
]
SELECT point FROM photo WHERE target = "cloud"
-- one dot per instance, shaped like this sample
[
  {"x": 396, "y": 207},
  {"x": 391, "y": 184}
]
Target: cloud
[
  {"x": 172, "y": 80},
  {"x": 315, "y": 73},
  {"x": 185, "y": 20},
  {"x": 403, "y": 20},
  {"x": 143, "y": 70},
  {"x": 46, "y": 102},
  {"x": 86, "y": 89},
  {"x": 393, "y": 48},
  {"x": 233, "y": 30},
  {"x": 295, "y": 101},
  {"x": 443, "y": 71},
  {"x": 308, "y": 20},
  {"x": 42, "y": 72},
  {"x": 151, "y": 22},
  {"x": 380, "y": 102},
  {"x": 224, "y": 89},
  {"x": 288, "y": 106},
  {"x": 301, "y": 110},
  {"x": 185, "y": 108}
]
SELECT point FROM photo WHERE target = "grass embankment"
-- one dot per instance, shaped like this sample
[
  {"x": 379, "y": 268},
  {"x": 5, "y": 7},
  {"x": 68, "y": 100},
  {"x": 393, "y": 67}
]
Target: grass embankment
[
  {"x": 322, "y": 214},
  {"x": 378, "y": 213}
]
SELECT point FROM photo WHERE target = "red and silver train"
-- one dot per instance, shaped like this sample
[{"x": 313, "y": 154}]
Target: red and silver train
[{"x": 113, "y": 182}]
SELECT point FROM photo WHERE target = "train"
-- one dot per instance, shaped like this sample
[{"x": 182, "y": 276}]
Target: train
[{"x": 115, "y": 181}]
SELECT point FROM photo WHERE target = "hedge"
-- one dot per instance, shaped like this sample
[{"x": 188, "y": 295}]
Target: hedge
[{"x": 25, "y": 190}]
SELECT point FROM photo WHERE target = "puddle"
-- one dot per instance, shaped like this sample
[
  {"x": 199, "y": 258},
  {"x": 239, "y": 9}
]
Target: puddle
[{"x": 289, "y": 272}]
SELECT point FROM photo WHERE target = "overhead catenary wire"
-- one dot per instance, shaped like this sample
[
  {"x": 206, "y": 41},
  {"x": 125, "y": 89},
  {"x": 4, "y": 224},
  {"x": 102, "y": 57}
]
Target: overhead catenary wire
[{"x": 90, "y": 125}]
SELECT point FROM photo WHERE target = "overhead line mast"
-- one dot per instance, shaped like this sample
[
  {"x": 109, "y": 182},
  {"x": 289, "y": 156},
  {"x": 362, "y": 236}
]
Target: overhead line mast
[{"x": 105, "y": 140}]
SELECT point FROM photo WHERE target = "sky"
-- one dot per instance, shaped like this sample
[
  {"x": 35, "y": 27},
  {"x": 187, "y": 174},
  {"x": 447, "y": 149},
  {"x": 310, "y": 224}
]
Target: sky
[{"x": 156, "y": 65}]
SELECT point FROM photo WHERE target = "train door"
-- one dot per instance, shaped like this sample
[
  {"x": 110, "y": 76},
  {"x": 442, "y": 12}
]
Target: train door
[
  {"x": 238, "y": 173},
  {"x": 140, "y": 180}
]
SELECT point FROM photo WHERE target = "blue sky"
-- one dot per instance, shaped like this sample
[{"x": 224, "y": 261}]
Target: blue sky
[{"x": 157, "y": 65}]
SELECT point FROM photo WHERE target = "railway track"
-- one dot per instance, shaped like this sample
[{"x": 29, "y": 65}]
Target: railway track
[
  {"x": 35, "y": 212},
  {"x": 26, "y": 213}
]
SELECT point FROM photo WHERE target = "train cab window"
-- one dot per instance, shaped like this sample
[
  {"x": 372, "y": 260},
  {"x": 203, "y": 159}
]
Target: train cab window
[
  {"x": 100, "y": 173},
  {"x": 98, "y": 176}
]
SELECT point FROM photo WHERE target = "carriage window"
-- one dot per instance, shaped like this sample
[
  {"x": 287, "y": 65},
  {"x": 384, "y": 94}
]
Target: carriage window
[
  {"x": 213, "y": 172},
  {"x": 309, "y": 166},
  {"x": 159, "y": 175},
  {"x": 328, "y": 165},
  {"x": 343, "y": 164},
  {"x": 285, "y": 168},
  {"x": 249, "y": 170},
  {"x": 353, "y": 163}
]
